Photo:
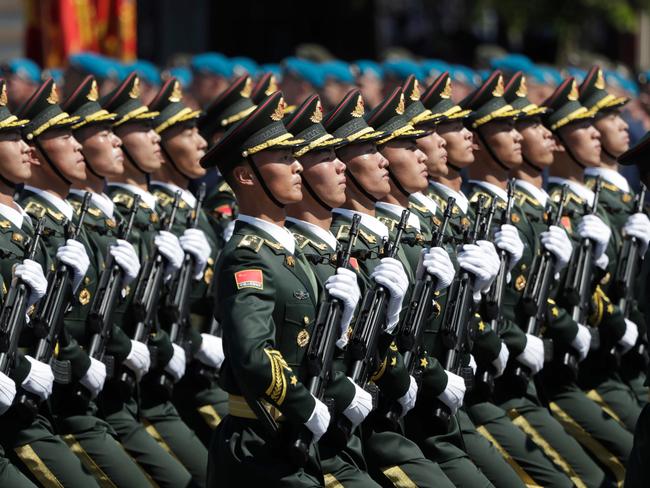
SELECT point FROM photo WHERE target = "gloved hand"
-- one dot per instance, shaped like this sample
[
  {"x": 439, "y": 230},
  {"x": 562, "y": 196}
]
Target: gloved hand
[
  {"x": 556, "y": 241},
  {"x": 344, "y": 286},
  {"x": 472, "y": 363},
  {"x": 73, "y": 254},
  {"x": 176, "y": 365},
  {"x": 407, "y": 401},
  {"x": 454, "y": 392},
  {"x": 507, "y": 238},
  {"x": 139, "y": 359},
  {"x": 168, "y": 245},
  {"x": 194, "y": 242},
  {"x": 592, "y": 227},
  {"x": 40, "y": 379},
  {"x": 582, "y": 341},
  {"x": 501, "y": 360},
  {"x": 126, "y": 258},
  {"x": 533, "y": 354},
  {"x": 7, "y": 392},
  {"x": 630, "y": 336},
  {"x": 438, "y": 264},
  {"x": 360, "y": 406},
  {"x": 638, "y": 225},
  {"x": 228, "y": 230},
  {"x": 319, "y": 420},
  {"x": 31, "y": 273},
  {"x": 480, "y": 262},
  {"x": 94, "y": 378},
  {"x": 390, "y": 273},
  {"x": 211, "y": 351}
]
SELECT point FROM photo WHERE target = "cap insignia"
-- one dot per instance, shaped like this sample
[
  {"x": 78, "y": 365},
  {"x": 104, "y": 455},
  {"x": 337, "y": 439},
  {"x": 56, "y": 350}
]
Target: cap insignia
[
  {"x": 573, "y": 94},
  {"x": 446, "y": 92},
  {"x": 415, "y": 94},
  {"x": 177, "y": 93},
  {"x": 400, "y": 106},
  {"x": 522, "y": 91},
  {"x": 359, "y": 110},
  {"x": 248, "y": 88},
  {"x": 499, "y": 89},
  {"x": 279, "y": 110},
  {"x": 317, "y": 116},
  {"x": 135, "y": 89},
  {"x": 600, "y": 80},
  {"x": 93, "y": 94},
  {"x": 3, "y": 95},
  {"x": 53, "y": 99}
]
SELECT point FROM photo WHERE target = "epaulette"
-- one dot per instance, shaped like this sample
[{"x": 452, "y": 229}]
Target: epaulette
[
  {"x": 123, "y": 199},
  {"x": 591, "y": 183},
  {"x": 343, "y": 233},
  {"x": 419, "y": 208},
  {"x": 388, "y": 222},
  {"x": 57, "y": 216},
  {"x": 523, "y": 197},
  {"x": 5, "y": 224},
  {"x": 440, "y": 202},
  {"x": 273, "y": 245},
  {"x": 369, "y": 238},
  {"x": 252, "y": 242},
  {"x": 301, "y": 240},
  {"x": 475, "y": 196},
  {"x": 35, "y": 209},
  {"x": 163, "y": 198},
  {"x": 225, "y": 188},
  {"x": 76, "y": 205}
]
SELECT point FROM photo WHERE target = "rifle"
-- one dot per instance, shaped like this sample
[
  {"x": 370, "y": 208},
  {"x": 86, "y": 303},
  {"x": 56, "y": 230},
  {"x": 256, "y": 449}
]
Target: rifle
[
  {"x": 100, "y": 317},
  {"x": 322, "y": 346},
  {"x": 14, "y": 309},
  {"x": 48, "y": 323},
  {"x": 456, "y": 321},
  {"x": 534, "y": 300},
  {"x": 577, "y": 286}
]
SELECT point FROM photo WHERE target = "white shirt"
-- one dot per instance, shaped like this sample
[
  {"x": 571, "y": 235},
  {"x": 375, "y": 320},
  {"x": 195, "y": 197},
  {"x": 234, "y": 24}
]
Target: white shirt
[
  {"x": 539, "y": 193},
  {"x": 324, "y": 235},
  {"x": 62, "y": 206},
  {"x": 147, "y": 198},
  {"x": 100, "y": 200},
  {"x": 186, "y": 196},
  {"x": 495, "y": 190},
  {"x": 368, "y": 221},
  {"x": 578, "y": 188},
  {"x": 14, "y": 216},
  {"x": 425, "y": 201},
  {"x": 461, "y": 199},
  {"x": 280, "y": 234},
  {"x": 397, "y": 210},
  {"x": 610, "y": 176}
]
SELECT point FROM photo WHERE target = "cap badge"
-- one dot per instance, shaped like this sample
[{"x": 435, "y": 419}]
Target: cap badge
[
  {"x": 499, "y": 89},
  {"x": 359, "y": 110},
  {"x": 53, "y": 99},
  {"x": 415, "y": 94},
  {"x": 400, "y": 106},
  {"x": 600, "y": 80},
  {"x": 93, "y": 93},
  {"x": 573, "y": 94},
  {"x": 522, "y": 91},
  {"x": 446, "y": 92},
  {"x": 248, "y": 88},
  {"x": 279, "y": 110},
  {"x": 317, "y": 116},
  {"x": 3, "y": 95},
  {"x": 135, "y": 89},
  {"x": 177, "y": 93}
]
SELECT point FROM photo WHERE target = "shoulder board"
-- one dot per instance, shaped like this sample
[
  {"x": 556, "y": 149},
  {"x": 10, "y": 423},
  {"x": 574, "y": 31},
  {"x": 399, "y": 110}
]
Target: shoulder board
[
  {"x": 57, "y": 216},
  {"x": 475, "y": 196},
  {"x": 388, "y": 222},
  {"x": 440, "y": 202},
  {"x": 252, "y": 242},
  {"x": 163, "y": 198},
  {"x": 301, "y": 240},
  {"x": 419, "y": 208},
  {"x": 523, "y": 197},
  {"x": 225, "y": 188},
  {"x": 5, "y": 224},
  {"x": 612, "y": 188},
  {"x": 369, "y": 238},
  {"x": 123, "y": 199},
  {"x": 35, "y": 209},
  {"x": 76, "y": 205},
  {"x": 343, "y": 233},
  {"x": 273, "y": 245},
  {"x": 590, "y": 182}
]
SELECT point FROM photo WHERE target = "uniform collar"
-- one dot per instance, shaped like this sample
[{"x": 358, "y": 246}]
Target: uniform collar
[
  {"x": 538, "y": 193},
  {"x": 578, "y": 188},
  {"x": 396, "y": 211},
  {"x": 280, "y": 234},
  {"x": 610, "y": 176},
  {"x": 61, "y": 205},
  {"x": 324, "y": 235},
  {"x": 14, "y": 216},
  {"x": 186, "y": 196},
  {"x": 99, "y": 200},
  {"x": 147, "y": 198},
  {"x": 367, "y": 221},
  {"x": 425, "y": 201},
  {"x": 461, "y": 199},
  {"x": 495, "y": 190}
]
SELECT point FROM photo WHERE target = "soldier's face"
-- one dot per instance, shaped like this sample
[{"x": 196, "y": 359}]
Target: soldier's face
[
  {"x": 325, "y": 173},
  {"x": 407, "y": 163},
  {"x": 537, "y": 145},
  {"x": 614, "y": 135},
  {"x": 460, "y": 144},
  {"x": 206, "y": 87},
  {"x": 504, "y": 141},
  {"x": 142, "y": 144},
  {"x": 102, "y": 149},
  {"x": 583, "y": 139},
  {"x": 15, "y": 157},
  {"x": 64, "y": 150},
  {"x": 369, "y": 167},
  {"x": 281, "y": 173},
  {"x": 186, "y": 147},
  {"x": 434, "y": 148}
]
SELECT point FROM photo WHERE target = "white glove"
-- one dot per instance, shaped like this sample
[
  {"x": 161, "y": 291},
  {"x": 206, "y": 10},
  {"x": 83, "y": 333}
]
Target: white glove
[
  {"x": 126, "y": 258},
  {"x": 319, "y": 420},
  {"x": 344, "y": 286},
  {"x": 407, "y": 401},
  {"x": 176, "y": 365},
  {"x": 73, "y": 254},
  {"x": 7, "y": 392},
  {"x": 168, "y": 245},
  {"x": 31, "y": 273},
  {"x": 139, "y": 359},
  {"x": 501, "y": 360},
  {"x": 360, "y": 406},
  {"x": 638, "y": 225},
  {"x": 507, "y": 238},
  {"x": 39, "y": 380},
  {"x": 593, "y": 228},
  {"x": 582, "y": 341},
  {"x": 390, "y": 273},
  {"x": 454, "y": 392},
  {"x": 533, "y": 354},
  {"x": 472, "y": 363},
  {"x": 193, "y": 241},
  {"x": 556, "y": 241},
  {"x": 94, "y": 378},
  {"x": 228, "y": 230},
  {"x": 438, "y": 264},
  {"x": 211, "y": 351},
  {"x": 480, "y": 262},
  {"x": 630, "y": 336}
]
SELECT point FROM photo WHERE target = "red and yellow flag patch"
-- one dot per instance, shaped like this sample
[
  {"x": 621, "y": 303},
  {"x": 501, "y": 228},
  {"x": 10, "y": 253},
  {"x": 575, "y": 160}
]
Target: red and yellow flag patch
[
  {"x": 354, "y": 264},
  {"x": 223, "y": 210},
  {"x": 249, "y": 278},
  {"x": 566, "y": 223}
]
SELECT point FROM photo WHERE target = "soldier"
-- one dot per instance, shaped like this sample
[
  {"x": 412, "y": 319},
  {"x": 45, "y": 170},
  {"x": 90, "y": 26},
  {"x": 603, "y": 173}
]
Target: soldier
[{"x": 211, "y": 73}]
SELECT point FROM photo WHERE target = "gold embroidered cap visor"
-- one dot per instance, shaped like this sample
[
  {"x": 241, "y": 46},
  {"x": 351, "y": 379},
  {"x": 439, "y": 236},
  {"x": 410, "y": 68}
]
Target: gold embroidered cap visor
[
  {"x": 495, "y": 109},
  {"x": 174, "y": 114},
  {"x": 9, "y": 122},
  {"x": 229, "y": 107},
  {"x": 572, "y": 111},
  {"x": 44, "y": 113}
]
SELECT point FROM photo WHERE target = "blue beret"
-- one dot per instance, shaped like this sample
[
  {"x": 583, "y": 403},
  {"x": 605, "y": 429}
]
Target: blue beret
[
  {"x": 182, "y": 74},
  {"x": 305, "y": 69},
  {"x": 55, "y": 73},
  {"x": 99, "y": 66},
  {"x": 512, "y": 63},
  {"x": 338, "y": 70},
  {"x": 146, "y": 71},
  {"x": 616, "y": 79},
  {"x": 276, "y": 69},
  {"x": 578, "y": 73},
  {"x": 244, "y": 66},
  {"x": 365, "y": 65},
  {"x": 434, "y": 67},
  {"x": 213, "y": 63},
  {"x": 403, "y": 68},
  {"x": 545, "y": 75},
  {"x": 463, "y": 74},
  {"x": 25, "y": 68}
]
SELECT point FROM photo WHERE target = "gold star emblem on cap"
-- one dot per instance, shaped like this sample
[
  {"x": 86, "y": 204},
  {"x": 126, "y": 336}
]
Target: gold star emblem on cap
[
  {"x": 573, "y": 94},
  {"x": 522, "y": 91},
  {"x": 424, "y": 363},
  {"x": 600, "y": 80},
  {"x": 415, "y": 94},
  {"x": 279, "y": 110},
  {"x": 317, "y": 116},
  {"x": 135, "y": 89},
  {"x": 400, "y": 106},
  {"x": 499, "y": 89},
  {"x": 294, "y": 380},
  {"x": 359, "y": 109},
  {"x": 3, "y": 95},
  {"x": 248, "y": 88},
  {"x": 93, "y": 94},
  {"x": 53, "y": 99},
  {"x": 177, "y": 93},
  {"x": 446, "y": 91}
]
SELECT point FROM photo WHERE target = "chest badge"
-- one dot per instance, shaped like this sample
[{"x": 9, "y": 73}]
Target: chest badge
[
  {"x": 303, "y": 338},
  {"x": 290, "y": 260},
  {"x": 301, "y": 295},
  {"x": 520, "y": 283},
  {"x": 626, "y": 197},
  {"x": 84, "y": 297}
]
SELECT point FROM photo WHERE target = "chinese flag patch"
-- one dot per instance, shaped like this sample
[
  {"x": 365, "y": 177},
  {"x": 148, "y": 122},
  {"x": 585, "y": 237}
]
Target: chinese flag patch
[
  {"x": 223, "y": 210},
  {"x": 354, "y": 263},
  {"x": 566, "y": 223},
  {"x": 250, "y": 278}
]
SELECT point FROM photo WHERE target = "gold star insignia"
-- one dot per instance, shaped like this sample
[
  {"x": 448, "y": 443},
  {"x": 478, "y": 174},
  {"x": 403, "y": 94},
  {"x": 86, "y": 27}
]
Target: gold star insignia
[
  {"x": 424, "y": 363},
  {"x": 294, "y": 380},
  {"x": 481, "y": 326},
  {"x": 393, "y": 362},
  {"x": 555, "y": 312}
]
